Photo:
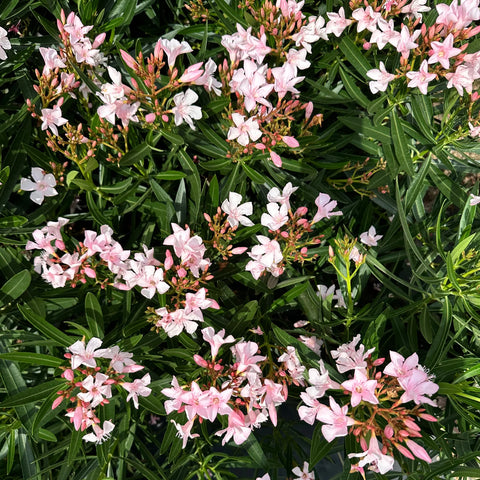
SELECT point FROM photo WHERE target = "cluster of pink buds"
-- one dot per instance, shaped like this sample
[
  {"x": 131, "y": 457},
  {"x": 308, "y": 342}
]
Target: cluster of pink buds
[
  {"x": 290, "y": 230},
  {"x": 89, "y": 383},
  {"x": 376, "y": 411},
  {"x": 239, "y": 391}
]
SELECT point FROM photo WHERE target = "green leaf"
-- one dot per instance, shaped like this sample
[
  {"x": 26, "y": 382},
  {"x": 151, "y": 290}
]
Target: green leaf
[
  {"x": 11, "y": 450},
  {"x": 423, "y": 115},
  {"x": 94, "y": 314},
  {"x": 15, "y": 286},
  {"x": 214, "y": 138},
  {"x": 96, "y": 213},
  {"x": 13, "y": 221},
  {"x": 448, "y": 187},
  {"x": 32, "y": 394},
  {"x": 135, "y": 155},
  {"x": 32, "y": 358},
  {"x": 255, "y": 452},
  {"x": 75, "y": 445},
  {"x": 254, "y": 175},
  {"x": 353, "y": 90},
  {"x": 400, "y": 143},
  {"x": 319, "y": 448},
  {"x": 118, "y": 187},
  {"x": 50, "y": 332},
  {"x": 365, "y": 127},
  {"x": 355, "y": 56},
  {"x": 30, "y": 468},
  {"x": 172, "y": 137},
  {"x": 170, "y": 175}
]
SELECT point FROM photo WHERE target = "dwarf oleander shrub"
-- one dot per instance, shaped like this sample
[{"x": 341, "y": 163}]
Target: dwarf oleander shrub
[{"x": 238, "y": 239}]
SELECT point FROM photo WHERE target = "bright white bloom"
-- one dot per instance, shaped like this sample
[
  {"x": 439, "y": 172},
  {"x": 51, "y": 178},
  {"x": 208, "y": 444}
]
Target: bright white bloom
[
  {"x": 283, "y": 198},
  {"x": 41, "y": 187},
  {"x": 4, "y": 44},
  {"x": 184, "y": 109},
  {"x": 370, "y": 238},
  {"x": 237, "y": 214},
  {"x": 303, "y": 474},
  {"x": 474, "y": 199},
  {"x": 381, "y": 78},
  {"x": 276, "y": 217}
]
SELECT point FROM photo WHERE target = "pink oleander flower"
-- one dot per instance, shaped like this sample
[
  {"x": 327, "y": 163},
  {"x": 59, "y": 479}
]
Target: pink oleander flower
[
  {"x": 246, "y": 358},
  {"x": 457, "y": 15},
  {"x": 52, "y": 118},
  {"x": 320, "y": 381},
  {"x": 216, "y": 340},
  {"x": 381, "y": 78},
  {"x": 272, "y": 396},
  {"x": 138, "y": 387},
  {"x": 325, "y": 206},
  {"x": 474, "y": 131},
  {"x": 173, "y": 48},
  {"x": 285, "y": 80},
  {"x": 348, "y": 358},
  {"x": 207, "y": 80},
  {"x": 184, "y": 431},
  {"x": 97, "y": 389},
  {"x": 374, "y": 457},
  {"x": 297, "y": 59},
  {"x": 42, "y": 186},
  {"x": 361, "y": 388},
  {"x": 244, "y": 131},
  {"x": 338, "y": 23},
  {"x": 303, "y": 474},
  {"x": 74, "y": 27},
  {"x": 399, "y": 366},
  {"x": 366, "y": 18},
  {"x": 474, "y": 199},
  {"x": 268, "y": 253},
  {"x": 276, "y": 217},
  {"x": 118, "y": 360},
  {"x": 336, "y": 420},
  {"x": 421, "y": 78},
  {"x": 192, "y": 73},
  {"x": 385, "y": 34},
  {"x": 442, "y": 52},
  {"x": 4, "y": 44},
  {"x": 184, "y": 110},
  {"x": 416, "y": 385},
  {"x": 99, "y": 434},
  {"x": 312, "y": 342},
  {"x": 85, "y": 355},
  {"x": 370, "y": 238},
  {"x": 237, "y": 214},
  {"x": 415, "y": 8},
  {"x": 52, "y": 60},
  {"x": 283, "y": 198},
  {"x": 236, "y": 428},
  {"x": 406, "y": 42}
]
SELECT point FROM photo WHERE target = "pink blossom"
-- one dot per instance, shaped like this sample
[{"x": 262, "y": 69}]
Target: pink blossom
[
  {"x": 458, "y": 15},
  {"x": 118, "y": 359},
  {"x": 277, "y": 161},
  {"x": 173, "y": 48},
  {"x": 421, "y": 78},
  {"x": 52, "y": 118},
  {"x": 216, "y": 340},
  {"x": 310, "y": 411},
  {"x": 276, "y": 217},
  {"x": 336, "y": 420},
  {"x": 285, "y": 80},
  {"x": 41, "y": 187},
  {"x": 75, "y": 28},
  {"x": 192, "y": 73},
  {"x": 381, "y": 78},
  {"x": 207, "y": 80},
  {"x": 283, "y": 198},
  {"x": 385, "y": 34},
  {"x": 442, "y": 52},
  {"x": 416, "y": 385},
  {"x": 218, "y": 403},
  {"x": 99, "y": 435},
  {"x": 236, "y": 428},
  {"x": 370, "y": 238},
  {"x": 268, "y": 253},
  {"x": 418, "y": 451},
  {"x": 337, "y": 22},
  {"x": 415, "y": 9},
  {"x": 4, "y": 44},
  {"x": 138, "y": 387},
  {"x": 312, "y": 342},
  {"x": 85, "y": 355},
  {"x": 399, "y": 366},
  {"x": 184, "y": 431},
  {"x": 474, "y": 199},
  {"x": 378, "y": 462},
  {"x": 297, "y": 59},
  {"x": 406, "y": 42},
  {"x": 184, "y": 110},
  {"x": 272, "y": 396},
  {"x": 303, "y": 474},
  {"x": 97, "y": 390},
  {"x": 348, "y": 358},
  {"x": 366, "y": 18},
  {"x": 361, "y": 388},
  {"x": 325, "y": 206},
  {"x": 52, "y": 60},
  {"x": 246, "y": 358},
  {"x": 320, "y": 381},
  {"x": 175, "y": 322},
  {"x": 244, "y": 131},
  {"x": 237, "y": 214}
]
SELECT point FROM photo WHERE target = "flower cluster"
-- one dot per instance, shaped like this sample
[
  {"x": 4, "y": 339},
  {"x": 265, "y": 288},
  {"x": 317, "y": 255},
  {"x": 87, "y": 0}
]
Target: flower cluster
[
  {"x": 240, "y": 391},
  {"x": 89, "y": 385},
  {"x": 290, "y": 232},
  {"x": 376, "y": 409}
]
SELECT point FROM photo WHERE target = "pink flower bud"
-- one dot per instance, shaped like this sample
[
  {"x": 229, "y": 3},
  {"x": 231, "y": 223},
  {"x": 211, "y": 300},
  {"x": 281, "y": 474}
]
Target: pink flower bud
[
  {"x": 427, "y": 417},
  {"x": 99, "y": 39},
  {"x": 239, "y": 250},
  {"x": 59, "y": 244},
  {"x": 418, "y": 451},
  {"x": 165, "y": 118},
  {"x": 260, "y": 146},
  {"x": 182, "y": 273},
  {"x": 132, "y": 368},
  {"x": 200, "y": 361},
  {"x": 150, "y": 117},
  {"x": 60, "y": 102},
  {"x": 128, "y": 59},
  {"x": 389, "y": 432},
  {"x": 378, "y": 362},
  {"x": 57, "y": 402},
  {"x": 158, "y": 49},
  {"x": 291, "y": 141},
  {"x": 90, "y": 272},
  {"x": 308, "y": 110},
  {"x": 68, "y": 374},
  {"x": 168, "y": 260},
  {"x": 301, "y": 211},
  {"x": 277, "y": 161},
  {"x": 404, "y": 451}
]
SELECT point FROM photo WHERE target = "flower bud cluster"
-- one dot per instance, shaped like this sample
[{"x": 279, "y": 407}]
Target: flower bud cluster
[
  {"x": 376, "y": 408},
  {"x": 240, "y": 391},
  {"x": 89, "y": 383}
]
